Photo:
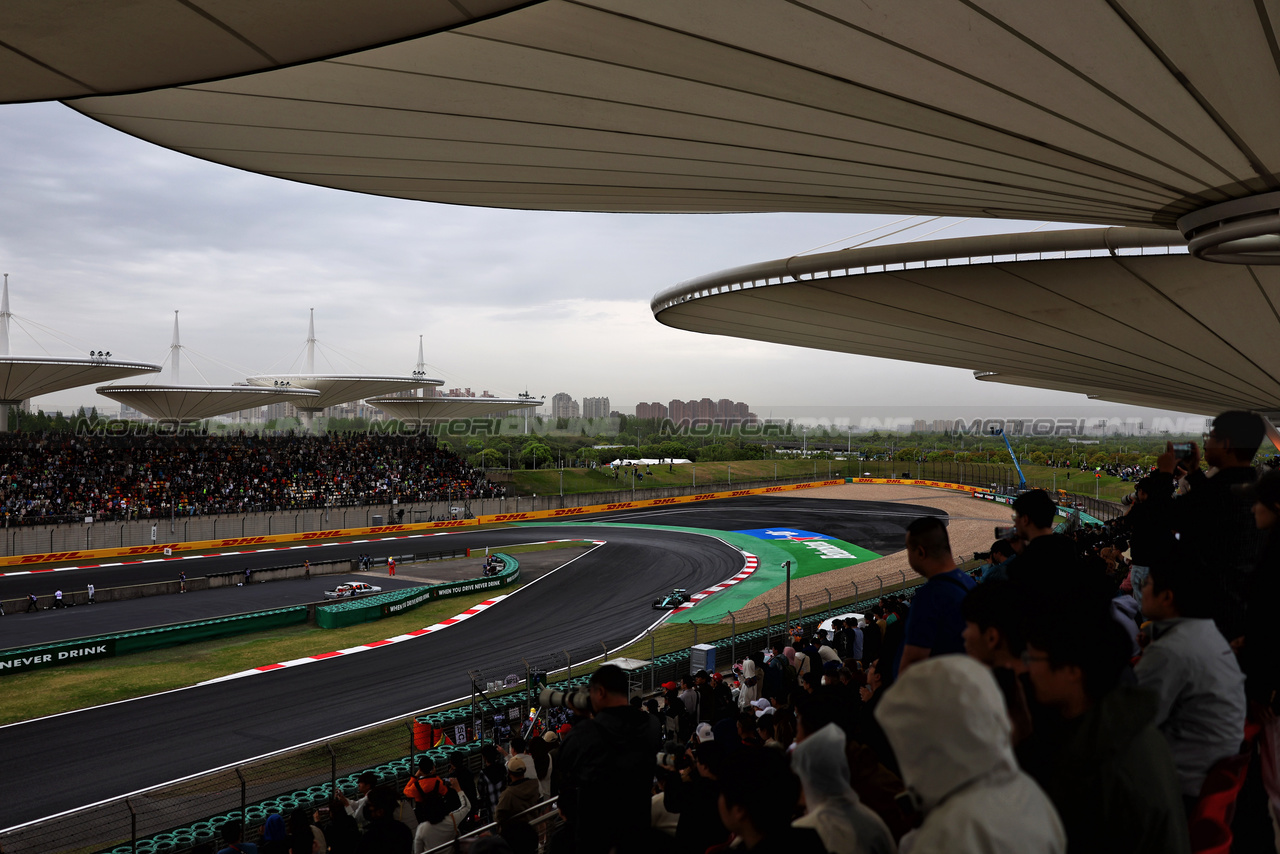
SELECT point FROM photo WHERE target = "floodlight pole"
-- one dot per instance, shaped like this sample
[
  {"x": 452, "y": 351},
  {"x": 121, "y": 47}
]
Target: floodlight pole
[{"x": 787, "y": 624}]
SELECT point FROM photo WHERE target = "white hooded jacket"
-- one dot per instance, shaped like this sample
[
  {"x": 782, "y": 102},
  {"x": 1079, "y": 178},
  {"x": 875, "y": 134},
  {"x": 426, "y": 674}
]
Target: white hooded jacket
[
  {"x": 832, "y": 806},
  {"x": 946, "y": 721}
]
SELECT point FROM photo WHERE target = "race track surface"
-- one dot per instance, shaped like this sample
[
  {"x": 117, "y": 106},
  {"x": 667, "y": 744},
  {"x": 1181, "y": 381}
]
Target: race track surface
[{"x": 107, "y": 751}]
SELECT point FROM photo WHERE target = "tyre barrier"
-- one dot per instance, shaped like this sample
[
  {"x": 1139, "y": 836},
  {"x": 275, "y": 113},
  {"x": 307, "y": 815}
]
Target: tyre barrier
[
  {"x": 182, "y": 839},
  {"x": 350, "y": 612}
]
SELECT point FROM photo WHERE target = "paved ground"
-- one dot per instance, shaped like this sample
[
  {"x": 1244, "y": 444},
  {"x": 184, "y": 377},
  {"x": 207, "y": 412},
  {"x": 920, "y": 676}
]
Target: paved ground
[{"x": 970, "y": 525}]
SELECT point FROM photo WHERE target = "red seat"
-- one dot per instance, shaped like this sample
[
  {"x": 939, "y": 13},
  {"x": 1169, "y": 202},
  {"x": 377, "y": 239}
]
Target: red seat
[
  {"x": 1210, "y": 822},
  {"x": 1208, "y": 837}
]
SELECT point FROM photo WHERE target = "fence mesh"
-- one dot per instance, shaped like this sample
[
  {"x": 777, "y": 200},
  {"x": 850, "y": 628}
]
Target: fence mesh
[{"x": 177, "y": 817}]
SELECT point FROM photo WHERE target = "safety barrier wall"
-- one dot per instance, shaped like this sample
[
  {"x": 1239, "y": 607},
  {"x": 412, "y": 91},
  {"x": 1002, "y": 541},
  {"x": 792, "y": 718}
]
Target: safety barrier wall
[
  {"x": 369, "y": 608},
  {"x": 68, "y": 537},
  {"x": 242, "y": 543},
  {"x": 124, "y": 643}
]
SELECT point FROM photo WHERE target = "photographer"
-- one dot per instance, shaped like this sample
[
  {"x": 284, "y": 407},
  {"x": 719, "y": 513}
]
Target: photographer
[
  {"x": 607, "y": 766},
  {"x": 1214, "y": 522},
  {"x": 1146, "y": 522},
  {"x": 694, "y": 793}
]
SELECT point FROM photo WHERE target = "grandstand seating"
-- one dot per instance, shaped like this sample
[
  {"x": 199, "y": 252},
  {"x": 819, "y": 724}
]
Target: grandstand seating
[
  {"x": 1210, "y": 822},
  {"x": 51, "y": 477}
]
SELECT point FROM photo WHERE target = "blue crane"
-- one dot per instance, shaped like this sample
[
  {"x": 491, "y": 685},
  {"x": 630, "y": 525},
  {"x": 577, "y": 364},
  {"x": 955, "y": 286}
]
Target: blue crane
[{"x": 1022, "y": 481}]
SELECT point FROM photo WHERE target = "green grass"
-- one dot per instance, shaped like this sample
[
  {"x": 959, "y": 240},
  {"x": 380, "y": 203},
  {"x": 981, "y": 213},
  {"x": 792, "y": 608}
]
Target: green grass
[
  {"x": 724, "y": 475},
  {"x": 78, "y": 686},
  {"x": 547, "y": 481}
]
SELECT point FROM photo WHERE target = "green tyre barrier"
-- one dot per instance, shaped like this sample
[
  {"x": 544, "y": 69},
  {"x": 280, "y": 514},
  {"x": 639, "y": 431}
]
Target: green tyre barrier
[{"x": 369, "y": 608}]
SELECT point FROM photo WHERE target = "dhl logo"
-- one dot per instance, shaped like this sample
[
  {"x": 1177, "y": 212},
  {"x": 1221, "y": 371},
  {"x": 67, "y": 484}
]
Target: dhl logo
[
  {"x": 569, "y": 511},
  {"x": 707, "y": 496},
  {"x": 623, "y": 506},
  {"x": 510, "y": 517},
  {"x": 387, "y": 529},
  {"x": 769, "y": 489},
  {"x": 144, "y": 550},
  {"x": 455, "y": 523},
  {"x": 240, "y": 541},
  {"x": 50, "y": 558},
  {"x": 738, "y": 492},
  {"x": 659, "y": 502}
]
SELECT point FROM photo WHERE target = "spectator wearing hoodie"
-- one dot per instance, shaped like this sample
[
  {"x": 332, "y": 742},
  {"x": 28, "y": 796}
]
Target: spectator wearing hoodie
[
  {"x": 832, "y": 808},
  {"x": 946, "y": 720}
]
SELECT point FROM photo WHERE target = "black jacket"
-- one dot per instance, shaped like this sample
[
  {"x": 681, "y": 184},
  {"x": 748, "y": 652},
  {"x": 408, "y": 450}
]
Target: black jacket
[
  {"x": 607, "y": 771},
  {"x": 697, "y": 802}
]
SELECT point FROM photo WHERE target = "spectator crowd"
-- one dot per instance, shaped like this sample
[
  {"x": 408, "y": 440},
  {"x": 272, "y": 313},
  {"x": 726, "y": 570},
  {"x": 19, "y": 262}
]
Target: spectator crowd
[
  {"x": 1104, "y": 688},
  {"x": 1099, "y": 688},
  {"x": 57, "y": 476}
]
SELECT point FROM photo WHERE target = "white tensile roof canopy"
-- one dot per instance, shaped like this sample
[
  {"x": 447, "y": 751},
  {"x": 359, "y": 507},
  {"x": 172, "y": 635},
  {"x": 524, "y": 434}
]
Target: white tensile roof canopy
[
  {"x": 23, "y": 377},
  {"x": 341, "y": 388},
  {"x": 60, "y": 50},
  {"x": 196, "y": 403},
  {"x": 448, "y": 408},
  {"x": 1094, "y": 111},
  {"x": 1120, "y": 314},
  {"x": 1121, "y": 112}
]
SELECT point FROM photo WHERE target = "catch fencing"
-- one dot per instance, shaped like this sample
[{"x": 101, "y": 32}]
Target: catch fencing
[{"x": 175, "y": 818}]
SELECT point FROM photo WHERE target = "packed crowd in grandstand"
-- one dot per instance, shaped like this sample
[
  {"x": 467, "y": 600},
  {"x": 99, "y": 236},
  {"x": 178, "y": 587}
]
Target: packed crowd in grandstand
[
  {"x": 1094, "y": 688},
  {"x": 56, "y": 476}
]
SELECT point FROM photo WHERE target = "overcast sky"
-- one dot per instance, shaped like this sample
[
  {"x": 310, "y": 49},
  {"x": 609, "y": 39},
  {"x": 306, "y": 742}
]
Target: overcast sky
[{"x": 104, "y": 236}]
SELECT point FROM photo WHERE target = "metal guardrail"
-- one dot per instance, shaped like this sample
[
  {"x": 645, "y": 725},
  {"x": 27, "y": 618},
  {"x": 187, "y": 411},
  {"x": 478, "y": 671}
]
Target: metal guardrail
[{"x": 544, "y": 818}]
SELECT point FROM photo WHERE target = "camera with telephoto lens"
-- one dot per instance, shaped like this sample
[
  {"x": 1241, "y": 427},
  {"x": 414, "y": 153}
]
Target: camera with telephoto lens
[
  {"x": 1009, "y": 533},
  {"x": 1129, "y": 499},
  {"x": 577, "y": 699},
  {"x": 673, "y": 757}
]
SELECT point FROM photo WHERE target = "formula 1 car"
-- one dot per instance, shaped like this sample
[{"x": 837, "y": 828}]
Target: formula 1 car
[
  {"x": 671, "y": 600},
  {"x": 355, "y": 588}
]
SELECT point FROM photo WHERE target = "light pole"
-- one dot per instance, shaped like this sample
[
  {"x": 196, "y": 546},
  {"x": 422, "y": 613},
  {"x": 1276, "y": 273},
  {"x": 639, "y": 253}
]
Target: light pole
[{"x": 787, "y": 625}]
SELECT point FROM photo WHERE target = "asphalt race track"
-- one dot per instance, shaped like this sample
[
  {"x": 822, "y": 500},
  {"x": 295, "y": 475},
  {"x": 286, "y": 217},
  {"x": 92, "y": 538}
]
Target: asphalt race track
[{"x": 99, "y": 753}]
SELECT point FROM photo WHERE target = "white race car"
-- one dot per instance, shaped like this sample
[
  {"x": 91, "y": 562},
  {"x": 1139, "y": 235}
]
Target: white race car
[{"x": 355, "y": 588}]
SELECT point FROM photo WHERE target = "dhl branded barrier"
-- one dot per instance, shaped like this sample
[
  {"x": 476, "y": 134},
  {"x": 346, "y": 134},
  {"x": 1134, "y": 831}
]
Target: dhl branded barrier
[
  {"x": 936, "y": 484},
  {"x": 369, "y": 608},
  {"x": 124, "y": 643},
  {"x": 143, "y": 552}
]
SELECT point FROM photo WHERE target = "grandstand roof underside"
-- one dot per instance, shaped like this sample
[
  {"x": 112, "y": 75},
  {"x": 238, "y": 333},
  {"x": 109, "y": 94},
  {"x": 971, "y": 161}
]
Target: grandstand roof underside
[
  {"x": 448, "y": 408},
  {"x": 1095, "y": 111},
  {"x": 195, "y": 403},
  {"x": 23, "y": 377},
  {"x": 343, "y": 388},
  {"x": 1119, "y": 314},
  {"x": 60, "y": 50}
]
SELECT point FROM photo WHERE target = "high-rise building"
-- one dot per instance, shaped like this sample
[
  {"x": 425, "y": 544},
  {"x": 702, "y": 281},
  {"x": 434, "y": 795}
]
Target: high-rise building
[
  {"x": 563, "y": 406},
  {"x": 655, "y": 411},
  {"x": 595, "y": 407}
]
